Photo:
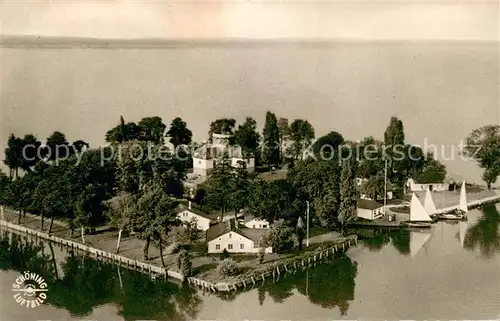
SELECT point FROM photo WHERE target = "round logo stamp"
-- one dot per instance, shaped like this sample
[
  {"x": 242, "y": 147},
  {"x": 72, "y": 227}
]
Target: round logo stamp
[{"x": 30, "y": 289}]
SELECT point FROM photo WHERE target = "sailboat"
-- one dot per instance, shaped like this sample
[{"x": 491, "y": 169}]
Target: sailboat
[
  {"x": 417, "y": 241},
  {"x": 429, "y": 205},
  {"x": 461, "y": 212},
  {"x": 418, "y": 214}
]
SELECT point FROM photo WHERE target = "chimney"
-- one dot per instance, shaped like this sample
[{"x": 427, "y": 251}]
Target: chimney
[{"x": 189, "y": 204}]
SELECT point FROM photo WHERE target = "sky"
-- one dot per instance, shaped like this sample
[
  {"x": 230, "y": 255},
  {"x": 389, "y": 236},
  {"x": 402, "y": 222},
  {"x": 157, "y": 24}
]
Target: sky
[{"x": 386, "y": 20}]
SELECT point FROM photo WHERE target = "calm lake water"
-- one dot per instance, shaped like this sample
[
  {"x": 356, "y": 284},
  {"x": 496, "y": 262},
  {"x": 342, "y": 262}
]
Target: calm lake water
[{"x": 449, "y": 272}]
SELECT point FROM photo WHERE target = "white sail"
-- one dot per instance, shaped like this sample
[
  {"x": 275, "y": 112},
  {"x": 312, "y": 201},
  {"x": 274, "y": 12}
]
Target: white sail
[
  {"x": 463, "y": 199},
  {"x": 417, "y": 211},
  {"x": 417, "y": 241},
  {"x": 463, "y": 230},
  {"x": 429, "y": 205}
]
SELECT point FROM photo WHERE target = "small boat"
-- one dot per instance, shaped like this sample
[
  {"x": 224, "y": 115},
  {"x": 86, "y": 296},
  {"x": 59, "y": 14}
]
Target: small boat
[
  {"x": 461, "y": 212},
  {"x": 418, "y": 215}
]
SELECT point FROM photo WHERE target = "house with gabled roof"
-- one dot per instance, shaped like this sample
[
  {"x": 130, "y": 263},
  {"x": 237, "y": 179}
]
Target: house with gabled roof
[
  {"x": 370, "y": 210},
  {"x": 205, "y": 157},
  {"x": 251, "y": 221},
  {"x": 189, "y": 214},
  {"x": 228, "y": 236},
  {"x": 415, "y": 186}
]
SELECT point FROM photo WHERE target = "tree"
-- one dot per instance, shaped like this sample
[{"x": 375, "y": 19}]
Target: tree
[
  {"x": 319, "y": 182},
  {"x": 13, "y": 155},
  {"x": 241, "y": 186},
  {"x": 219, "y": 185},
  {"x": 299, "y": 231},
  {"x": 327, "y": 146},
  {"x": 12, "y": 197},
  {"x": 84, "y": 209},
  {"x": 280, "y": 236},
  {"x": 185, "y": 234},
  {"x": 371, "y": 159},
  {"x": 374, "y": 187},
  {"x": 302, "y": 135},
  {"x": 483, "y": 145},
  {"x": 222, "y": 126},
  {"x": 394, "y": 139},
  {"x": 271, "y": 140},
  {"x": 284, "y": 135},
  {"x": 4, "y": 185},
  {"x": 123, "y": 132},
  {"x": 348, "y": 195},
  {"x": 247, "y": 137},
  {"x": 184, "y": 263},
  {"x": 57, "y": 146},
  {"x": 79, "y": 145},
  {"x": 433, "y": 171},
  {"x": 120, "y": 213},
  {"x": 133, "y": 167},
  {"x": 151, "y": 129},
  {"x": 30, "y": 152},
  {"x": 275, "y": 200},
  {"x": 154, "y": 216},
  {"x": 168, "y": 171},
  {"x": 179, "y": 133},
  {"x": 327, "y": 207},
  {"x": 413, "y": 162}
]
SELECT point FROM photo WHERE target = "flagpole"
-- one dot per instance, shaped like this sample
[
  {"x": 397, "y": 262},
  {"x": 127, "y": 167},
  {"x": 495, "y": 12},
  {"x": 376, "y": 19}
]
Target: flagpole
[
  {"x": 385, "y": 185},
  {"x": 307, "y": 241}
]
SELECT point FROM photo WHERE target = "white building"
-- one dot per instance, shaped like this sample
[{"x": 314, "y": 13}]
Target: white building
[
  {"x": 227, "y": 235},
  {"x": 202, "y": 219},
  {"x": 205, "y": 157},
  {"x": 414, "y": 186},
  {"x": 253, "y": 222},
  {"x": 370, "y": 210}
]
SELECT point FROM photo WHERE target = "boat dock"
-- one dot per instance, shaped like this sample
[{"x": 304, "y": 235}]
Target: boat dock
[
  {"x": 471, "y": 204},
  {"x": 401, "y": 217}
]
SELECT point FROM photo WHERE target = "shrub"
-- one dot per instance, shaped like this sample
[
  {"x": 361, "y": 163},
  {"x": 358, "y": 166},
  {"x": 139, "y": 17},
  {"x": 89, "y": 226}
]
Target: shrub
[
  {"x": 225, "y": 254},
  {"x": 261, "y": 255},
  {"x": 280, "y": 237},
  {"x": 227, "y": 267},
  {"x": 184, "y": 263}
]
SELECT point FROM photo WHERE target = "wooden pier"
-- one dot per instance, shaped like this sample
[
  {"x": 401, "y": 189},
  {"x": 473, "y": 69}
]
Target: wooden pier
[
  {"x": 384, "y": 223},
  {"x": 472, "y": 204},
  {"x": 305, "y": 260}
]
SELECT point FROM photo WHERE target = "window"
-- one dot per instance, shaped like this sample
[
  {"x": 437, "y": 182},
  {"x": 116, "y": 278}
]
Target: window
[
  {"x": 230, "y": 246},
  {"x": 229, "y": 235},
  {"x": 264, "y": 226},
  {"x": 217, "y": 246},
  {"x": 242, "y": 246},
  {"x": 254, "y": 226},
  {"x": 199, "y": 162}
]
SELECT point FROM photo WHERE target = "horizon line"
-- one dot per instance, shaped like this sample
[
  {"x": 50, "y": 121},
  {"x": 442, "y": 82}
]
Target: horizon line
[{"x": 20, "y": 40}]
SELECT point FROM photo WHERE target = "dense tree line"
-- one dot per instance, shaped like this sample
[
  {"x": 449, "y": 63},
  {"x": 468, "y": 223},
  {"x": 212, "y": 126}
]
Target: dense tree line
[
  {"x": 135, "y": 191},
  {"x": 132, "y": 184}
]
